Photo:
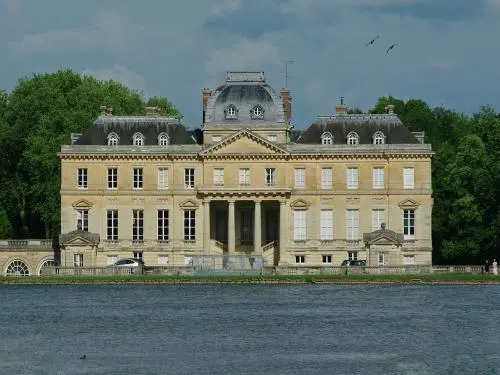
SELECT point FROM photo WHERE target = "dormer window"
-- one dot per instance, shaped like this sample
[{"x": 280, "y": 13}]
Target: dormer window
[
  {"x": 163, "y": 139},
  {"x": 257, "y": 112},
  {"x": 113, "y": 139},
  {"x": 231, "y": 112},
  {"x": 352, "y": 138},
  {"x": 378, "y": 138},
  {"x": 138, "y": 139},
  {"x": 326, "y": 139}
]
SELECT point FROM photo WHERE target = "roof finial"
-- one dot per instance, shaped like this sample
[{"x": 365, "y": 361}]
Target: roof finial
[{"x": 341, "y": 100}]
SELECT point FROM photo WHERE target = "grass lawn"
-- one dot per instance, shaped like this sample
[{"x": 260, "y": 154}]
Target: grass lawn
[{"x": 449, "y": 278}]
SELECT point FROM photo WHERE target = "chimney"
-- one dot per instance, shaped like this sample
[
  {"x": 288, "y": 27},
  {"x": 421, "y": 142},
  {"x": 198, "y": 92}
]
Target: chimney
[
  {"x": 206, "y": 93},
  {"x": 287, "y": 104},
  {"x": 341, "y": 109},
  {"x": 389, "y": 109},
  {"x": 153, "y": 111},
  {"x": 105, "y": 111}
]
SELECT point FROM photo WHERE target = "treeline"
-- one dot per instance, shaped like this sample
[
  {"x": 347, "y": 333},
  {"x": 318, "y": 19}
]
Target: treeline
[{"x": 42, "y": 110}]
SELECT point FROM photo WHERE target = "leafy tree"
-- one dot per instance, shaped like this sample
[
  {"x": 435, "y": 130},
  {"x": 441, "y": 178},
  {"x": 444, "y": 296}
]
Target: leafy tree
[
  {"x": 165, "y": 105},
  {"x": 5, "y": 227},
  {"x": 384, "y": 101}
]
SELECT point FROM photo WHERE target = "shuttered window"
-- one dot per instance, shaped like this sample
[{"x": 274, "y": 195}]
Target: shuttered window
[
  {"x": 326, "y": 222},
  {"x": 352, "y": 224},
  {"x": 352, "y": 178},
  {"x": 409, "y": 178},
  {"x": 299, "y": 225},
  {"x": 378, "y": 178}
]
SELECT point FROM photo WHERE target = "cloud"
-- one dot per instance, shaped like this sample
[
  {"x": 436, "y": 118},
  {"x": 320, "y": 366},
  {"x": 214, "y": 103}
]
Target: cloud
[{"x": 121, "y": 74}]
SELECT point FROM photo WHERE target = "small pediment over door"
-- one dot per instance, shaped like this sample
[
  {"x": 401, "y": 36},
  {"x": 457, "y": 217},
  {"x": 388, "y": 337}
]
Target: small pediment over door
[
  {"x": 189, "y": 204},
  {"x": 82, "y": 204},
  {"x": 409, "y": 204},
  {"x": 300, "y": 204}
]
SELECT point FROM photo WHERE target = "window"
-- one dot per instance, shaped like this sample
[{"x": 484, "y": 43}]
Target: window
[
  {"x": 352, "y": 178},
  {"x": 231, "y": 112},
  {"x": 163, "y": 225},
  {"x": 218, "y": 176},
  {"x": 352, "y": 224},
  {"x": 138, "y": 139},
  {"x": 326, "y": 223},
  {"x": 83, "y": 182},
  {"x": 378, "y": 217},
  {"x": 112, "y": 178},
  {"x": 378, "y": 138},
  {"x": 163, "y": 139},
  {"x": 378, "y": 178},
  {"x": 189, "y": 178},
  {"x": 408, "y": 259},
  {"x": 409, "y": 178},
  {"x": 326, "y": 178},
  {"x": 257, "y": 112},
  {"x": 189, "y": 225},
  {"x": 113, "y": 139},
  {"x": 409, "y": 224},
  {"x": 138, "y": 180},
  {"x": 300, "y": 178},
  {"x": 82, "y": 219},
  {"x": 246, "y": 234},
  {"x": 326, "y": 139},
  {"x": 352, "y": 138},
  {"x": 381, "y": 259},
  {"x": 111, "y": 259},
  {"x": 138, "y": 225},
  {"x": 244, "y": 176},
  {"x": 138, "y": 255},
  {"x": 326, "y": 259},
  {"x": 352, "y": 255},
  {"x": 163, "y": 260},
  {"x": 299, "y": 225},
  {"x": 216, "y": 138},
  {"x": 78, "y": 260},
  {"x": 112, "y": 225},
  {"x": 270, "y": 176},
  {"x": 163, "y": 178},
  {"x": 300, "y": 259}
]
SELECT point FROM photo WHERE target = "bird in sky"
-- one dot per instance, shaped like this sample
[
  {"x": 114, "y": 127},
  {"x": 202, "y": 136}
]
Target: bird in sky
[
  {"x": 372, "y": 41},
  {"x": 391, "y": 47}
]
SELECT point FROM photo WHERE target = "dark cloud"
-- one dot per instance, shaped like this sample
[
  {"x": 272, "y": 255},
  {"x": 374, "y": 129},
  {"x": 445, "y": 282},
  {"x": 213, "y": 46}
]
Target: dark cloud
[{"x": 434, "y": 10}]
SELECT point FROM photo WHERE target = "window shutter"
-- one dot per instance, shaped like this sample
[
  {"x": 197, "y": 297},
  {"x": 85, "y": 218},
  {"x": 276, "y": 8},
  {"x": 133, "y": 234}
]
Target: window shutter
[
  {"x": 300, "y": 229},
  {"x": 326, "y": 225}
]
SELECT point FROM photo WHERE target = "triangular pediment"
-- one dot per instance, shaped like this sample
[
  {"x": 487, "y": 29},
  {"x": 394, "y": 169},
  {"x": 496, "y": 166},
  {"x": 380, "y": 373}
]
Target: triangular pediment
[
  {"x": 409, "y": 204},
  {"x": 78, "y": 241},
  {"x": 383, "y": 240},
  {"x": 79, "y": 238},
  {"x": 82, "y": 204},
  {"x": 300, "y": 204},
  {"x": 244, "y": 142},
  {"x": 189, "y": 204},
  {"x": 383, "y": 237}
]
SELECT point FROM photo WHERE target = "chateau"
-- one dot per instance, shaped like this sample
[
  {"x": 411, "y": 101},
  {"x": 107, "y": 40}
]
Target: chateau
[{"x": 348, "y": 187}]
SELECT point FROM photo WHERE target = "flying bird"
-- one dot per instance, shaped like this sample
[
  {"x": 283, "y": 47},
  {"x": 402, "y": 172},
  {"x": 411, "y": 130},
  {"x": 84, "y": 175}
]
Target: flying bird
[
  {"x": 391, "y": 47},
  {"x": 372, "y": 41}
]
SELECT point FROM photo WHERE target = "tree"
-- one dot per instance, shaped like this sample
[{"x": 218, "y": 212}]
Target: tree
[
  {"x": 384, "y": 101},
  {"x": 165, "y": 105},
  {"x": 5, "y": 227}
]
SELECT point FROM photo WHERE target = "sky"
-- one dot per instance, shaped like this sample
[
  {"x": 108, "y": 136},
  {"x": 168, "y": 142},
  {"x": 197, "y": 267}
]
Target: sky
[{"x": 447, "y": 51}]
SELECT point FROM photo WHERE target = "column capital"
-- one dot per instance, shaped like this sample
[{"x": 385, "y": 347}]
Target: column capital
[
  {"x": 206, "y": 201},
  {"x": 282, "y": 203},
  {"x": 257, "y": 201},
  {"x": 231, "y": 201}
]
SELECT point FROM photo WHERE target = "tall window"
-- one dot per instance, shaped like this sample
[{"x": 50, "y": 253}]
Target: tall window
[
  {"x": 300, "y": 178},
  {"x": 78, "y": 260},
  {"x": 138, "y": 178},
  {"x": 246, "y": 220},
  {"x": 378, "y": 217},
  {"x": 352, "y": 224},
  {"x": 270, "y": 176},
  {"x": 326, "y": 178},
  {"x": 83, "y": 182},
  {"x": 326, "y": 220},
  {"x": 162, "y": 178},
  {"x": 138, "y": 225},
  {"x": 112, "y": 178},
  {"x": 218, "y": 176},
  {"x": 409, "y": 224},
  {"x": 189, "y": 225},
  {"x": 189, "y": 178},
  {"x": 163, "y": 225},
  {"x": 381, "y": 259},
  {"x": 352, "y": 178},
  {"x": 378, "y": 178},
  {"x": 244, "y": 176},
  {"x": 299, "y": 225},
  {"x": 409, "y": 178},
  {"x": 112, "y": 225},
  {"x": 138, "y": 139},
  {"x": 82, "y": 219}
]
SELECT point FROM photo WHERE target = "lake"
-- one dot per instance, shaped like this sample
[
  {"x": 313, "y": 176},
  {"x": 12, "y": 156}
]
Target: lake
[{"x": 249, "y": 329}]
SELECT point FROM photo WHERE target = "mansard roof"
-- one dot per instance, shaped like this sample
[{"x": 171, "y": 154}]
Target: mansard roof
[
  {"x": 364, "y": 125},
  {"x": 126, "y": 126}
]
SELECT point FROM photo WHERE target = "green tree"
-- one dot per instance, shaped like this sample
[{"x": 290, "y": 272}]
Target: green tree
[
  {"x": 165, "y": 105},
  {"x": 384, "y": 101}
]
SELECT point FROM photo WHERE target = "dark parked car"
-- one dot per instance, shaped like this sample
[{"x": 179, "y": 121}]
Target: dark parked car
[{"x": 353, "y": 263}]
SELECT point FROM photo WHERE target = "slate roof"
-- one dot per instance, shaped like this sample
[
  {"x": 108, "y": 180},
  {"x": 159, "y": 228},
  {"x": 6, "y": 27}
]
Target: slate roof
[
  {"x": 126, "y": 126},
  {"x": 364, "y": 125}
]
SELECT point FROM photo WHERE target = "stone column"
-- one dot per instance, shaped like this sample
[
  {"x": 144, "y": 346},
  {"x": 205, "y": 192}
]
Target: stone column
[
  {"x": 231, "y": 239},
  {"x": 206, "y": 226},
  {"x": 282, "y": 244},
  {"x": 257, "y": 230}
]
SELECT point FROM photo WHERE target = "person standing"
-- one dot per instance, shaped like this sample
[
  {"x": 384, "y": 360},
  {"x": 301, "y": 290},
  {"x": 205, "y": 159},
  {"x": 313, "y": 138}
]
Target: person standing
[
  {"x": 487, "y": 266},
  {"x": 494, "y": 267}
]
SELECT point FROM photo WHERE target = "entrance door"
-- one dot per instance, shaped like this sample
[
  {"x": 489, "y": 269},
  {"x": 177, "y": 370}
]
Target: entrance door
[
  {"x": 272, "y": 226},
  {"x": 221, "y": 226}
]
